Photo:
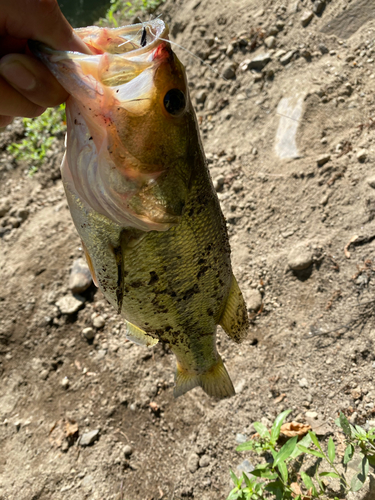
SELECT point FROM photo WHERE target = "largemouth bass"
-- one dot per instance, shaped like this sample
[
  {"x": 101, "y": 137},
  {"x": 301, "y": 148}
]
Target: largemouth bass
[{"x": 142, "y": 199}]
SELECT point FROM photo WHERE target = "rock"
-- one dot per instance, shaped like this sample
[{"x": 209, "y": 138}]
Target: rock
[
  {"x": 285, "y": 59},
  {"x": 318, "y": 6},
  {"x": 70, "y": 304},
  {"x": 241, "y": 438},
  {"x": 193, "y": 463},
  {"x": 300, "y": 258},
  {"x": 362, "y": 155},
  {"x": 270, "y": 42},
  {"x": 98, "y": 321},
  {"x": 128, "y": 450},
  {"x": 306, "y": 17},
  {"x": 323, "y": 49},
  {"x": 311, "y": 414},
  {"x": 88, "y": 333},
  {"x": 323, "y": 159},
  {"x": 280, "y": 53},
  {"x": 204, "y": 461},
  {"x": 80, "y": 276},
  {"x": 4, "y": 207},
  {"x": 219, "y": 183},
  {"x": 230, "y": 50},
  {"x": 303, "y": 382},
  {"x": 200, "y": 96},
  {"x": 229, "y": 71},
  {"x": 65, "y": 383},
  {"x": 14, "y": 222},
  {"x": 371, "y": 182},
  {"x": 253, "y": 299},
  {"x": 22, "y": 214},
  {"x": 260, "y": 61},
  {"x": 244, "y": 466},
  {"x": 89, "y": 438}
]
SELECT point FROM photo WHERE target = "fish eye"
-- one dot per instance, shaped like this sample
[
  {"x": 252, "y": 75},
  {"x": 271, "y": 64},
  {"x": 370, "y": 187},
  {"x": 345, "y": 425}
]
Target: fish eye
[{"x": 174, "y": 101}]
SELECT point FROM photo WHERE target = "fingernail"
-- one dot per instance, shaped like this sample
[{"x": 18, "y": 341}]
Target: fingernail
[{"x": 16, "y": 74}]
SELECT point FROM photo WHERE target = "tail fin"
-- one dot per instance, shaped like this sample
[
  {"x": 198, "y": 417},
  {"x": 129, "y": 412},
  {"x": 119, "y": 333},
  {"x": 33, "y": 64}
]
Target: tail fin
[{"x": 215, "y": 382}]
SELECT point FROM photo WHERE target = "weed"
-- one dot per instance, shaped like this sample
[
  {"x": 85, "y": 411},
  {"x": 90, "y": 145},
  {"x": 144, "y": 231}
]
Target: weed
[
  {"x": 121, "y": 8},
  {"x": 279, "y": 478},
  {"x": 39, "y": 135}
]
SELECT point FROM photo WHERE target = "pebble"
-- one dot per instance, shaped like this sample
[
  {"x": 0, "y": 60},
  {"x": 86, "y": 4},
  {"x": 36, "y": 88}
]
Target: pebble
[
  {"x": 89, "y": 438},
  {"x": 371, "y": 182},
  {"x": 318, "y": 6},
  {"x": 229, "y": 71},
  {"x": 244, "y": 466},
  {"x": 241, "y": 438},
  {"x": 362, "y": 155},
  {"x": 70, "y": 304},
  {"x": 323, "y": 49},
  {"x": 306, "y": 17},
  {"x": 303, "y": 382},
  {"x": 253, "y": 299},
  {"x": 128, "y": 450},
  {"x": 285, "y": 59},
  {"x": 219, "y": 183},
  {"x": 311, "y": 414},
  {"x": 230, "y": 50},
  {"x": 201, "y": 97},
  {"x": 193, "y": 463},
  {"x": 323, "y": 159},
  {"x": 98, "y": 321},
  {"x": 4, "y": 207},
  {"x": 300, "y": 258},
  {"x": 260, "y": 61},
  {"x": 88, "y": 333},
  {"x": 23, "y": 214},
  {"x": 204, "y": 461},
  {"x": 65, "y": 383},
  {"x": 80, "y": 276},
  {"x": 270, "y": 42}
]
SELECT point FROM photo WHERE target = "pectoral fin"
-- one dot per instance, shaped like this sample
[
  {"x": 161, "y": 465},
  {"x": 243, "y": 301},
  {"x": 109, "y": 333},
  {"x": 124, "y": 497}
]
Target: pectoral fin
[
  {"x": 139, "y": 336},
  {"x": 215, "y": 382},
  {"x": 234, "y": 320}
]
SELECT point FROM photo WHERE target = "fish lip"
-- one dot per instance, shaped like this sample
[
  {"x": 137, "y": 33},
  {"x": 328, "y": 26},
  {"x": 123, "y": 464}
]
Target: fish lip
[{"x": 39, "y": 49}]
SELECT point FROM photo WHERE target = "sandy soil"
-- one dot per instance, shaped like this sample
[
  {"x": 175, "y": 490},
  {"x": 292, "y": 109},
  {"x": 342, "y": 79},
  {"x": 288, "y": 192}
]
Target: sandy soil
[{"x": 290, "y": 146}]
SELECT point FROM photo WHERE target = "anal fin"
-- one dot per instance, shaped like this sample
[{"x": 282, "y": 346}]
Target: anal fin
[
  {"x": 139, "y": 336},
  {"x": 215, "y": 382},
  {"x": 89, "y": 263},
  {"x": 234, "y": 319}
]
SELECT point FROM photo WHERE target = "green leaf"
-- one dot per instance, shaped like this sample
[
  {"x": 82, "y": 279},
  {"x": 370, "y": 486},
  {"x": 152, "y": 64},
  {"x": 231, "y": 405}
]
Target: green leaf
[
  {"x": 307, "y": 481},
  {"x": 234, "y": 494},
  {"x": 305, "y": 441},
  {"x": 315, "y": 440},
  {"x": 331, "y": 450},
  {"x": 360, "y": 431},
  {"x": 310, "y": 452},
  {"x": 248, "y": 446},
  {"x": 348, "y": 455},
  {"x": 283, "y": 471},
  {"x": 359, "y": 479},
  {"x": 276, "y": 488},
  {"x": 276, "y": 426},
  {"x": 330, "y": 474},
  {"x": 285, "y": 451},
  {"x": 264, "y": 471},
  {"x": 262, "y": 430},
  {"x": 344, "y": 424},
  {"x": 236, "y": 481}
]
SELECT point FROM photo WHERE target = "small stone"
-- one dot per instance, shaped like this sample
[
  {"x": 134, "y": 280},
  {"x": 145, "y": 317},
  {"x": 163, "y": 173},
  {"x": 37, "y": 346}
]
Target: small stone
[
  {"x": 329, "y": 361},
  {"x": 4, "y": 207},
  {"x": 128, "y": 450},
  {"x": 14, "y": 222},
  {"x": 303, "y": 382},
  {"x": 65, "y": 383},
  {"x": 244, "y": 466},
  {"x": 70, "y": 304},
  {"x": 80, "y": 276},
  {"x": 22, "y": 214},
  {"x": 230, "y": 50},
  {"x": 193, "y": 463},
  {"x": 204, "y": 461},
  {"x": 98, "y": 321},
  {"x": 44, "y": 374},
  {"x": 371, "y": 182},
  {"x": 280, "y": 53},
  {"x": 323, "y": 49},
  {"x": 306, "y": 17},
  {"x": 270, "y": 42},
  {"x": 201, "y": 97},
  {"x": 356, "y": 393},
  {"x": 362, "y": 155},
  {"x": 241, "y": 438},
  {"x": 300, "y": 258},
  {"x": 253, "y": 299},
  {"x": 219, "y": 183},
  {"x": 287, "y": 57},
  {"x": 89, "y": 438},
  {"x": 260, "y": 61},
  {"x": 318, "y": 6},
  {"x": 323, "y": 159},
  {"x": 88, "y": 333},
  {"x": 311, "y": 414},
  {"x": 229, "y": 71}
]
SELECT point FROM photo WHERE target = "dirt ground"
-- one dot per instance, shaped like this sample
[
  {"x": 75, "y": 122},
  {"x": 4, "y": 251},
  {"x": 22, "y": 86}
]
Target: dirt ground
[{"x": 292, "y": 207}]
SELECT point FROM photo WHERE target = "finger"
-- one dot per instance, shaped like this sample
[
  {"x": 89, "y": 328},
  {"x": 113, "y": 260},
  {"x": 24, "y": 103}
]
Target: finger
[
  {"x": 12, "y": 103},
  {"x": 40, "y": 20},
  {"x": 32, "y": 79},
  {"x": 5, "y": 120}
]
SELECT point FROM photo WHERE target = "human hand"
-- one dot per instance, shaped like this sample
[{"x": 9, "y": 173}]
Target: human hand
[{"x": 27, "y": 88}]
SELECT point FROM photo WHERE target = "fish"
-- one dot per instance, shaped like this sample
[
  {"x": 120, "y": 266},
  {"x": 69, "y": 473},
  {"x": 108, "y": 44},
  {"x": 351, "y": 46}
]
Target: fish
[{"x": 142, "y": 199}]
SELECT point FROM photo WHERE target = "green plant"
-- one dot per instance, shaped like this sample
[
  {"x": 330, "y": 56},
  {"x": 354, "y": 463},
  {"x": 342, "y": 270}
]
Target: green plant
[
  {"x": 280, "y": 479},
  {"x": 127, "y": 9},
  {"x": 40, "y": 133}
]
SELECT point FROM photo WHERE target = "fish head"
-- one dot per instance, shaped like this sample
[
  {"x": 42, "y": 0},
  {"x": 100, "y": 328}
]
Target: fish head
[{"x": 132, "y": 130}]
